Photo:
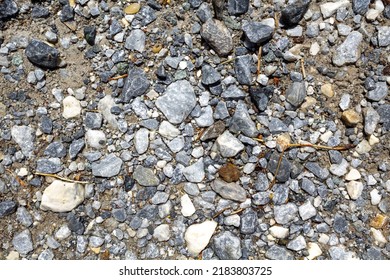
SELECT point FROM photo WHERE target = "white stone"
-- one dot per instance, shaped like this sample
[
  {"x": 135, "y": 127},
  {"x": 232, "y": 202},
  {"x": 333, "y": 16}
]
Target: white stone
[
  {"x": 307, "y": 210},
  {"x": 375, "y": 197},
  {"x": 198, "y": 236},
  {"x": 195, "y": 172},
  {"x": 378, "y": 236},
  {"x": 141, "y": 140},
  {"x": 104, "y": 106},
  {"x": 353, "y": 175},
  {"x": 363, "y": 147},
  {"x": 314, "y": 49},
  {"x": 314, "y": 251},
  {"x": 187, "y": 207},
  {"x": 279, "y": 232},
  {"x": 372, "y": 14},
  {"x": 72, "y": 107},
  {"x": 95, "y": 138},
  {"x": 162, "y": 233},
  {"x": 63, "y": 232},
  {"x": 23, "y": 172},
  {"x": 354, "y": 189},
  {"x": 13, "y": 255},
  {"x": 324, "y": 238},
  {"x": 325, "y": 137},
  {"x": 372, "y": 140},
  {"x": 339, "y": 169},
  {"x": 228, "y": 145},
  {"x": 328, "y": 9},
  {"x": 62, "y": 196},
  {"x": 232, "y": 220},
  {"x": 168, "y": 130}
]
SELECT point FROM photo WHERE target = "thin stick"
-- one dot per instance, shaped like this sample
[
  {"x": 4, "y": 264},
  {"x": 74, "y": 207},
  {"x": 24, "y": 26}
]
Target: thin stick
[
  {"x": 60, "y": 178},
  {"x": 220, "y": 212},
  {"x": 259, "y": 60},
  {"x": 321, "y": 147},
  {"x": 303, "y": 68},
  {"x": 237, "y": 211},
  {"x": 118, "y": 77},
  {"x": 227, "y": 61}
]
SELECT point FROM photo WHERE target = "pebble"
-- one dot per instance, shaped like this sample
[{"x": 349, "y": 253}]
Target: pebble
[
  {"x": 210, "y": 75},
  {"x": 23, "y": 216},
  {"x": 187, "y": 207},
  {"x": 61, "y": 196},
  {"x": 354, "y": 189},
  {"x": 297, "y": 243},
  {"x": 339, "y": 253},
  {"x": 378, "y": 236},
  {"x": 371, "y": 120},
  {"x": 380, "y": 92},
  {"x": 22, "y": 242},
  {"x": 383, "y": 36},
  {"x": 162, "y": 233},
  {"x": 276, "y": 252},
  {"x": 375, "y": 197},
  {"x": 279, "y": 232},
  {"x": 7, "y": 207},
  {"x": 348, "y": 52},
  {"x": 231, "y": 191},
  {"x": 229, "y": 173},
  {"x": 145, "y": 177},
  {"x": 314, "y": 251},
  {"x": 197, "y": 236},
  {"x": 307, "y": 211},
  {"x": 292, "y": 14},
  {"x": 141, "y": 140},
  {"x": 296, "y": 94},
  {"x": 42, "y": 55},
  {"x": 227, "y": 246},
  {"x": 72, "y": 107},
  {"x": 50, "y": 165},
  {"x": 327, "y": 90},
  {"x": 8, "y": 8},
  {"x": 24, "y": 136},
  {"x": 360, "y": 6},
  {"x": 285, "y": 213},
  {"x": 232, "y": 220},
  {"x": 321, "y": 173},
  {"x": 340, "y": 224},
  {"x": 107, "y": 167},
  {"x": 195, "y": 172},
  {"x": 237, "y": 7},
  {"x": 228, "y": 145},
  {"x": 136, "y": 41},
  {"x": 218, "y": 36},
  {"x": 242, "y": 122},
  {"x": 242, "y": 69},
  {"x": 353, "y": 175},
  {"x": 136, "y": 84},
  {"x": 249, "y": 222},
  {"x": 63, "y": 233},
  {"x": 329, "y": 8},
  {"x": 257, "y": 32},
  {"x": 95, "y": 139}
]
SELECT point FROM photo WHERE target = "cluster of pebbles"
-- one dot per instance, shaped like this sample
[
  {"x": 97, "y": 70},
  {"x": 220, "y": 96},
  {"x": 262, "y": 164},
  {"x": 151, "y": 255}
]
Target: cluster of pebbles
[{"x": 154, "y": 129}]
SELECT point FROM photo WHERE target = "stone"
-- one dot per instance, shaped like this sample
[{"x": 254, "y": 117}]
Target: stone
[
  {"x": 296, "y": 94},
  {"x": 76, "y": 147},
  {"x": 55, "y": 149},
  {"x": 339, "y": 253},
  {"x": 63, "y": 233},
  {"x": 360, "y": 7},
  {"x": 348, "y": 52},
  {"x": 218, "y": 36},
  {"x": 242, "y": 122},
  {"x": 61, "y": 196},
  {"x": 260, "y": 96},
  {"x": 279, "y": 232},
  {"x": 90, "y": 34},
  {"x": 221, "y": 111},
  {"x": 206, "y": 117},
  {"x": 371, "y": 120},
  {"x": 8, "y": 9},
  {"x": 177, "y": 102},
  {"x": 233, "y": 92},
  {"x": 187, "y": 207},
  {"x": 7, "y": 207},
  {"x": 256, "y": 32},
  {"x": 119, "y": 214},
  {"x": 24, "y": 136},
  {"x": 379, "y": 93},
  {"x": 22, "y": 242},
  {"x": 168, "y": 130},
  {"x": 276, "y": 252},
  {"x": 229, "y": 173},
  {"x": 327, "y": 90},
  {"x": 314, "y": 251},
  {"x": 72, "y": 107},
  {"x": 354, "y": 189},
  {"x": 136, "y": 84},
  {"x": 329, "y": 8},
  {"x": 210, "y": 75},
  {"x": 50, "y": 165},
  {"x": 340, "y": 224},
  {"x": 141, "y": 140},
  {"x": 145, "y": 177},
  {"x": 284, "y": 168},
  {"x": 242, "y": 69},
  {"x": 23, "y": 216},
  {"x": 197, "y": 236},
  {"x": 363, "y": 147},
  {"x": 375, "y": 197},
  {"x": 285, "y": 213},
  {"x": 95, "y": 241},
  {"x": 227, "y": 246},
  {"x": 195, "y": 172},
  {"x": 307, "y": 211},
  {"x": 162, "y": 233},
  {"x": 108, "y": 167},
  {"x": 383, "y": 36},
  {"x": 321, "y": 173},
  {"x": 297, "y": 244},
  {"x": 67, "y": 13},
  {"x": 213, "y": 131},
  {"x": 353, "y": 175},
  {"x": 228, "y": 145},
  {"x": 249, "y": 222},
  {"x": 292, "y": 14},
  {"x": 231, "y": 191},
  {"x": 261, "y": 183},
  {"x": 237, "y": 7},
  {"x": 95, "y": 139},
  {"x": 378, "y": 236},
  {"x": 93, "y": 120},
  {"x": 46, "y": 254},
  {"x": 136, "y": 41},
  {"x": 42, "y": 55}
]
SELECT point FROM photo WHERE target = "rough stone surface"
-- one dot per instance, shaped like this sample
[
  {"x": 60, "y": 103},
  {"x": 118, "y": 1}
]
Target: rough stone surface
[
  {"x": 227, "y": 246},
  {"x": 197, "y": 236},
  {"x": 230, "y": 191},
  {"x": 107, "y": 167},
  {"x": 42, "y": 55},
  {"x": 215, "y": 33},
  {"x": 348, "y": 52}
]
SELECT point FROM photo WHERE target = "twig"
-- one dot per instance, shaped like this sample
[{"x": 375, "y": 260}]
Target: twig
[
  {"x": 227, "y": 61},
  {"x": 259, "y": 60},
  {"x": 20, "y": 181},
  {"x": 321, "y": 147},
  {"x": 220, "y": 212},
  {"x": 118, "y": 77},
  {"x": 237, "y": 211},
  {"x": 60, "y": 178},
  {"x": 303, "y": 68}
]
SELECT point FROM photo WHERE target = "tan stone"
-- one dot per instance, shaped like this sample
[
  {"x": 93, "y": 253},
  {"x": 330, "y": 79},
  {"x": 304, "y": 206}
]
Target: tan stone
[
  {"x": 327, "y": 90},
  {"x": 351, "y": 117}
]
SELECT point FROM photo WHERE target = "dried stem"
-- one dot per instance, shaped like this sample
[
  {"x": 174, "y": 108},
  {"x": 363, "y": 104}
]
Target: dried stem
[
  {"x": 118, "y": 77},
  {"x": 220, "y": 212},
  {"x": 259, "y": 60},
  {"x": 60, "y": 178},
  {"x": 303, "y": 68}
]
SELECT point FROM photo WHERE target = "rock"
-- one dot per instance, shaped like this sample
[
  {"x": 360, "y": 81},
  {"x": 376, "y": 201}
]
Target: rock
[
  {"x": 104, "y": 107},
  {"x": 136, "y": 41},
  {"x": 206, "y": 117},
  {"x": 242, "y": 122},
  {"x": 321, "y": 173},
  {"x": 260, "y": 96},
  {"x": 23, "y": 216},
  {"x": 353, "y": 175},
  {"x": 24, "y": 136},
  {"x": 279, "y": 232},
  {"x": 371, "y": 120},
  {"x": 210, "y": 76},
  {"x": 383, "y": 36},
  {"x": 378, "y": 236},
  {"x": 177, "y": 102},
  {"x": 229, "y": 173},
  {"x": 354, "y": 189},
  {"x": 72, "y": 107},
  {"x": 141, "y": 140},
  {"x": 67, "y": 13},
  {"x": 7, "y": 207},
  {"x": 276, "y": 252},
  {"x": 162, "y": 233},
  {"x": 108, "y": 167},
  {"x": 233, "y": 93},
  {"x": 62, "y": 196},
  {"x": 55, "y": 149},
  {"x": 218, "y": 36},
  {"x": 363, "y": 147},
  {"x": 348, "y": 52},
  {"x": 297, "y": 243},
  {"x": 284, "y": 168},
  {"x": 50, "y": 165},
  {"x": 329, "y": 8},
  {"x": 292, "y": 14},
  {"x": 22, "y": 242},
  {"x": 314, "y": 251},
  {"x": 195, "y": 172},
  {"x": 227, "y": 246},
  {"x": 242, "y": 68},
  {"x": 145, "y": 177},
  {"x": 231, "y": 191},
  {"x": 285, "y": 213},
  {"x": 42, "y": 55},
  {"x": 380, "y": 91},
  {"x": 249, "y": 222},
  {"x": 197, "y": 236},
  {"x": 76, "y": 147},
  {"x": 296, "y": 94},
  {"x": 8, "y": 8},
  {"x": 63, "y": 232},
  {"x": 307, "y": 210},
  {"x": 256, "y": 32},
  {"x": 261, "y": 183},
  {"x": 339, "y": 253},
  {"x": 167, "y": 130},
  {"x": 228, "y": 145},
  {"x": 136, "y": 84},
  {"x": 375, "y": 197},
  {"x": 187, "y": 207},
  {"x": 95, "y": 241},
  {"x": 95, "y": 139},
  {"x": 237, "y": 7},
  {"x": 360, "y": 6},
  {"x": 327, "y": 90},
  {"x": 90, "y": 34},
  {"x": 93, "y": 120},
  {"x": 213, "y": 131}
]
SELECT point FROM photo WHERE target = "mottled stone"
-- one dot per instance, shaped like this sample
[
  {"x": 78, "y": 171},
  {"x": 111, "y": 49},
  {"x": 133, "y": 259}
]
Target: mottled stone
[
  {"x": 227, "y": 246},
  {"x": 218, "y": 36},
  {"x": 107, "y": 167},
  {"x": 231, "y": 191}
]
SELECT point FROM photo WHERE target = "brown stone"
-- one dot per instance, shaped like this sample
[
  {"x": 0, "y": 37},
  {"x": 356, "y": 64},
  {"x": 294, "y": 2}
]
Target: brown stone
[
  {"x": 229, "y": 173},
  {"x": 379, "y": 221},
  {"x": 351, "y": 117}
]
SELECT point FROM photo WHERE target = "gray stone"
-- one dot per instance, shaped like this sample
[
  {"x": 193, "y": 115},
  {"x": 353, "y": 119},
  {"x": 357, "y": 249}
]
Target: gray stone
[
  {"x": 145, "y": 177},
  {"x": 191, "y": 189},
  {"x": 95, "y": 241},
  {"x": 348, "y": 52},
  {"x": 50, "y": 165},
  {"x": 231, "y": 191},
  {"x": 24, "y": 136},
  {"x": 23, "y": 216},
  {"x": 42, "y": 55},
  {"x": 210, "y": 76},
  {"x": 93, "y": 120},
  {"x": 7, "y": 207},
  {"x": 307, "y": 210},
  {"x": 308, "y": 186},
  {"x": 257, "y": 32},
  {"x": 227, "y": 246},
  {"x": 108, "y": 167},
  {"x": 242, "y": 68},
  {"x": 371, "y": 119},
  {"x": 141, "y": 140},
  {"x": 261, "y": 198},
  {"x": 339, "y": 253},
  {"x": 160, "y": 198},
  {"x": 23, "y": 242},
  {"x": 297, "y": 243},
  {"x": 204, "y": 12},
  {"x": 8, "y": 8},
  {"x": 242, "y": 122},
  {"x": 228, "y": 145},
  {"x": 238, "y": 7},
  {"x": 76, "y": 147},
  {"x": 296, "y": 94},
  {"x": 177, "y": 102},
  {"x": 340, "y": 224},
  {"x": 55, "y": 149},
  {"x": 292, "y": 14},
  {"x": 360, "y": 6},
  {"x": 284, "y": 168},
  {"x": 277, "y": 126},
  {"x": 206, "y": 117},
  {"x": 46, "y": 255},
  {"x": 261, "y": 183},
  {"x": 135, "y": 85},
  {"x": 119, "y": 214},
  {"x": 218, "y": 36},
  {"x": 285, "y": 213},
  {"x": 195, "y": 172},
  {"x": 249, "y": 222},
  {"x": 233, "y": 93},
  {"x": 221, "y": 112},
  {"x": 321, "y": 173},
  {"x": 383, "y": 36},
  {"x": 276, "y": 252},
  {"x": 136, "y": 41},
  {"x": 380, "y": 92}
]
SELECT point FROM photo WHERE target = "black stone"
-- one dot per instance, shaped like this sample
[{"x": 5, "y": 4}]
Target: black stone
[
  {"x": 8, "y": 8},
  {"x": 129, "y": 183},
  {"x": 210, "y": 76},
  {"x": 292, "y": 14},
  {"x": 260, "y": 96},
  {"x": 242, "y": 68},
  {"x": 7, "y": 207},
  {"x": 340, "y": 224},
  {"x": 136, "y": 84},
  {"x": 90, "y": 34},
  {"x": 42, "y": 55},
  {"x": 360, "y": 7},
  {"x": 40, "y": 12},
  {"x": 75, "y": 224},
  {"x": 67, "y": 13},
  {"x": 238, "y": 7},
  {"x": 249, "y": 222},
  {"x": 257, "y": 32}
]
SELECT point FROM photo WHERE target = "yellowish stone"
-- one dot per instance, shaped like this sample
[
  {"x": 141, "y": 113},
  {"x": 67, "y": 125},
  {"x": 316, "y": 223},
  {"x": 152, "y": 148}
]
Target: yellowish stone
[
  {"x": 132, "y": 9},
  {"x": 379, "y": 221},
  {"x": 327, "y": 90},
  {"x": 351, "y": 117}
]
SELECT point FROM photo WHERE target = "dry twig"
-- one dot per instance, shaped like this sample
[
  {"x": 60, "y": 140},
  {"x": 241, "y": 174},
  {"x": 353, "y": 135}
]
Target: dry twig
[{"x": 60, "y": 178}]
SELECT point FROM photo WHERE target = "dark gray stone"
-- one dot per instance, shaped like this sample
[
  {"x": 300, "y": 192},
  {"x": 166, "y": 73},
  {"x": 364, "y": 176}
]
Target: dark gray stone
[
  {"x": 308, "y": 186},
  {"x": 7, "y": 207},
  {"x": 76, "y": 147},
  {"x": 42, "y": 55},
  {"x": 204, "y": 12},
  {"x": 284, "y": 168},
  {"x": 50, "y": 166},
  {"x": 93, "y": 120},
  {"x": 260, "y": 96},
  {"x": 227, "y": 246},
  {"x": 262, "y": 182},
  {"x": 296, "y": 94},
  {"x": 340, "y": 224},
  {"x": 292, "y": 14},
  {"x": 242, "y": 68},
  {"x": 242, "y": 122},
  {"x": 277, "y": 126},
  {"x": 119, "y": 214},
  {"x": 46, "y": 125},
  {"x": 39, "y": 12},
  {"x": 360, "y": 7},
  {"x": 261, "y": 198},
  {"x": 374, "y": 253},
  {"x": 67, "y": 13},
  {"x": 75, "y": 224},
  {"x": 145, "y": 177},
  {"x": 218, "y": 36},
  {"x": 233, "y": 93},
  {"x": 8, "y": 8},
  {"x": 135, "y": 85},
  {"x": 249, "y": 222},
  {"x": 90, "y": 34},
  {"x": 55, "y": 149},
  {"x": 276, "y": 252},
  {"x": 210, "y": 76},
  {"x": 147, "y": 15},
  {"x": 280, "y": 194},
  {"x": 321, "y": 173},
  {"x": 256, "y": 32},
  {"x": 238, "y": 7}
]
